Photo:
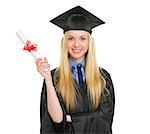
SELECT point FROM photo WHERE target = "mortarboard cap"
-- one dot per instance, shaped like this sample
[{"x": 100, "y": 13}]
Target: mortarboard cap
[{"x": 77, "y": 18}]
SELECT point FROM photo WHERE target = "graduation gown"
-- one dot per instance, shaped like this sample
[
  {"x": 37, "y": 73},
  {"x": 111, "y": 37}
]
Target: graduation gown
[{"x": 84, "y": 120}]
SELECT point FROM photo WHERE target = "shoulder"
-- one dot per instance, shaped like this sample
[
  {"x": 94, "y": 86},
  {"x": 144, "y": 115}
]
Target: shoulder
[
  {"x": 107, "y": 77},
  {"x": 55, "y": 76},
  {"x": 105, "y": 73}
]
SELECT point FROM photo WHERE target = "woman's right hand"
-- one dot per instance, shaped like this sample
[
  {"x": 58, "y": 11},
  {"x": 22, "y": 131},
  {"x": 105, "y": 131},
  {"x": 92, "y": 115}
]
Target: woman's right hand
[{"x": 43, "y": 67}]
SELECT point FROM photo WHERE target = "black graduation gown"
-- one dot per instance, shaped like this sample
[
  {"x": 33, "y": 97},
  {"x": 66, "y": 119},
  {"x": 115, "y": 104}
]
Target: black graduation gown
[{"x": 84, "y": 120}]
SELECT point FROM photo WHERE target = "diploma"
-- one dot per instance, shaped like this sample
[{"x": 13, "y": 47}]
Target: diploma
[{"x": 32, "y": 48}]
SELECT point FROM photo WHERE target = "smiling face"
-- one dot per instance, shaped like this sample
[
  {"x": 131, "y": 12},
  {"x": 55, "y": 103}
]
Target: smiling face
[{"x": 77, "y": 42}]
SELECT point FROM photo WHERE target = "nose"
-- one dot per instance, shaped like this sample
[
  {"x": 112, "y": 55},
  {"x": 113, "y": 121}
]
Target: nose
[{"x": 76, "y": 43}]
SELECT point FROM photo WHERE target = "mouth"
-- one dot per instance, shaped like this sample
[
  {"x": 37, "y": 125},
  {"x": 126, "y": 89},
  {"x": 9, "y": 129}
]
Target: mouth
[{"x": 76, "y": 50}]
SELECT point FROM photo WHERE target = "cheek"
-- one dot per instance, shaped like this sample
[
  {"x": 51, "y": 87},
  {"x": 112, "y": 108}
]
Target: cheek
[
  {"x": 86, "y": 46},
  {"x": 70, "y": 48},
  {"x": 70, "y": 44}
]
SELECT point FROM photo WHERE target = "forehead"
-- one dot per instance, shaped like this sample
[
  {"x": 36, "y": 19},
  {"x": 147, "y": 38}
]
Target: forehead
[{"x": 77, "y": 33}]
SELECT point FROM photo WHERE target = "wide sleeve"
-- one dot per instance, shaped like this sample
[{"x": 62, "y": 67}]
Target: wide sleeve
[
  {"x": 108, "y": 106},
  {"x": 47, "y": 124}
]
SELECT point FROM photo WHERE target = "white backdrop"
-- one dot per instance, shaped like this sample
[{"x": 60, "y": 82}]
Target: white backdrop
[{"x": 122, "y": 46}]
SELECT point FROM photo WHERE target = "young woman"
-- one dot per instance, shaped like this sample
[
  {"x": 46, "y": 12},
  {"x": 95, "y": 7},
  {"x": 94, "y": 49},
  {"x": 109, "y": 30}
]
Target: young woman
[{"x": 78, "y": 96}]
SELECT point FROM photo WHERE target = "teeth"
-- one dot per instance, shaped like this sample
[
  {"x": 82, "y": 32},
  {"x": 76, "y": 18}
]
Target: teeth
[{"x": 76, "y": 50}]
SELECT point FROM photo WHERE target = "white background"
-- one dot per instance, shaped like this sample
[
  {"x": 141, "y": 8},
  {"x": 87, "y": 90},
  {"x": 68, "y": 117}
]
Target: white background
[{"x": 122, "y": 46}]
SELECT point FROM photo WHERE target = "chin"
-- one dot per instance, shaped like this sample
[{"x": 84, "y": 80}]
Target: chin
[{"x": 76, "y": 57}]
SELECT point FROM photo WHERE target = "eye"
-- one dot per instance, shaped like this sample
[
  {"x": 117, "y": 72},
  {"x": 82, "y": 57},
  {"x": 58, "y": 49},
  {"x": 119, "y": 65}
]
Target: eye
[
  {"x": 70, "y": 38},
  {"x": 83, "y": 38}
]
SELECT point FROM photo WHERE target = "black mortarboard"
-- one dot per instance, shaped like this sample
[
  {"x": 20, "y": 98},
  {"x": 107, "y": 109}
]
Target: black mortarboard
[{"x": 77, "y": 18}]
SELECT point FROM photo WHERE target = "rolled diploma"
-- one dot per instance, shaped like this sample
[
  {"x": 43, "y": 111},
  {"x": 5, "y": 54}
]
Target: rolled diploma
[
  {"x": 23, "y": 38},
  {"x": 35, "y": 54}
]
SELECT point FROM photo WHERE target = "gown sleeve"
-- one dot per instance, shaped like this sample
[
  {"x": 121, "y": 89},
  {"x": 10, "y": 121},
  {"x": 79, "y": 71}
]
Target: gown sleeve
[
  {"x": 108, "y": 104},
  {"x": 47, "y": 124}
]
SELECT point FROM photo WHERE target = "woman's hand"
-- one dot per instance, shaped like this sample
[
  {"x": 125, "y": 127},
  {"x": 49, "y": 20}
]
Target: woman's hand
[
  {"x": 68, "y": 118},
  {"x": 44, "y": 68}
]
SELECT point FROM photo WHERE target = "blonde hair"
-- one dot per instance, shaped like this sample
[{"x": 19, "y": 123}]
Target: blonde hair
[{"x": 66, "y": 86}]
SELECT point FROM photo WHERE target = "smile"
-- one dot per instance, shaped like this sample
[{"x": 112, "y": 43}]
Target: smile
[{"x": 76, "y": 50}]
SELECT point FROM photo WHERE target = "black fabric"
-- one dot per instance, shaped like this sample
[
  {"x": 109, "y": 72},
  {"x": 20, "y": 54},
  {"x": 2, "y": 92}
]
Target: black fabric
[
  {"x": 47, "y": 124},
  {"x": 77, "y": 18},
  {"x": 80, "y": 76},
  {"x": 84, "y": 119}
]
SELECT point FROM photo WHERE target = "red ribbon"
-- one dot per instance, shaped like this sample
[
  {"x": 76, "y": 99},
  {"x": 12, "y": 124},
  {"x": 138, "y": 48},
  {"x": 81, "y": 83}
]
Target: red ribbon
[{"x": 30, "y": 47}]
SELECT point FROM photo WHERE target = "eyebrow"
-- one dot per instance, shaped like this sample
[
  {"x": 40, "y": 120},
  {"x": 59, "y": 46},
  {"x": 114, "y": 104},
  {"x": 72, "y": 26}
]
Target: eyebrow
[
  {"x": 73, "y": 36},
  {"x": 83, "y": 36}
]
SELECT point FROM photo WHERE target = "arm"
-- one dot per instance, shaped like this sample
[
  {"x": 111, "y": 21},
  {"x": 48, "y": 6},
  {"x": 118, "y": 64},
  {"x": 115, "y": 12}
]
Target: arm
[
  {"x": 112, "y": 94},
  {"x": 56, "y": 111},
  {"x": 110, "y": 107},
  {"x": 53, "y": 104},
  {"x": 54, "y": 107}
]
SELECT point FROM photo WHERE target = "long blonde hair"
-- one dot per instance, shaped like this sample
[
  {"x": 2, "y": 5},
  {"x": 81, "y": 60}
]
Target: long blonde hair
[{"x": 66, "y": 86}]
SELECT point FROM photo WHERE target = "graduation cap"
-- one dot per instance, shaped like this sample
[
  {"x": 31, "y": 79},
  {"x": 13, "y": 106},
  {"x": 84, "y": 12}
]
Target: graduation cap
[{"x": 77, "y": 18}]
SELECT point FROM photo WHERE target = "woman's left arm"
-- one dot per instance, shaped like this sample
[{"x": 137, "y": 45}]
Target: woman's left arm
[
  {"x": 109, "y": 106},
  {"x": 112, "y": 98}
]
